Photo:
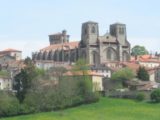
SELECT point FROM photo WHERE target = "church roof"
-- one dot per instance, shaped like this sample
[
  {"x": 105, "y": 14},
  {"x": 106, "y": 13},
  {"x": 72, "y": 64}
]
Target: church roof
[
  {"x": 108, "y": 38},
  {"x": 64, "y": 46}
]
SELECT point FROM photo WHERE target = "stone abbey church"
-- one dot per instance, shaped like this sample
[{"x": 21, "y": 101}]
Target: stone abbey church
[{"x": 95, "y": 49}]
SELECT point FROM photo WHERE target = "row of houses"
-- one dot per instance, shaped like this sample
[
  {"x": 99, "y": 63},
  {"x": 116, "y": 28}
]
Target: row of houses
[
  {"x": 97, "y": 73},
  {"x": 11, "y": 63},
  {"x": 105, "y": 70}
]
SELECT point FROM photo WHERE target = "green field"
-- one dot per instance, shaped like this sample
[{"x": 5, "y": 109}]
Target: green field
[{"x": 106, "y": 109}]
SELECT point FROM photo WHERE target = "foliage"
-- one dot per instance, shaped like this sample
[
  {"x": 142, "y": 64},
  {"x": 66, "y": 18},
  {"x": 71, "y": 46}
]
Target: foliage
[
  {"x": 155, "y": 96},
  {"x": 105, "y": 109},
  {"x": 23, "y": 80},
  {"x": 85, "y": 86},
  {"x": 9, "y": 105},
  {"x": 4, "y": 73},
  {"x": 140, "y": 96},
  {"x": 36, "y": 92},
  {"x": 28, "y": 61},
  {"x": 80, "y": 65},
  {"x": 55, "y": 72},
  {"x": 142, "y": 74},
  {"x": 123, "y": 74},
  {"x": 22, "y": 84},
  {"x": 138, "y": 50}
]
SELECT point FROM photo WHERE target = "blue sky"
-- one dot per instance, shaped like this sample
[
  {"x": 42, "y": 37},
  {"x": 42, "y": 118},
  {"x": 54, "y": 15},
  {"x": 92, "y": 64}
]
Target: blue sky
[{"x": 25, "y": 24}]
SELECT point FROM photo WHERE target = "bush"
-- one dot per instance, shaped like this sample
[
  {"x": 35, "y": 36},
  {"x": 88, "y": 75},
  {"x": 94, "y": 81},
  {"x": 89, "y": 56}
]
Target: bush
[
  {"x": 140, "y": 96},
  {"x": 9, "y": 105},
  {"x": 155, "y": 95},
  {"x": 142, "y": 74}
]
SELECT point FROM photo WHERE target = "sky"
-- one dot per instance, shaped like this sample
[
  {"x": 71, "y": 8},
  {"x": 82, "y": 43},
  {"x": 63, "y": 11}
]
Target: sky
[{"x": 26, "y": 24}]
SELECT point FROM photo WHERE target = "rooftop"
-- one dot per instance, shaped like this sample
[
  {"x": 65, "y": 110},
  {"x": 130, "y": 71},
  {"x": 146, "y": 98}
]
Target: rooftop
[
  {"x": 64, "y": 46},
  {"x": 10, "y": 50}
]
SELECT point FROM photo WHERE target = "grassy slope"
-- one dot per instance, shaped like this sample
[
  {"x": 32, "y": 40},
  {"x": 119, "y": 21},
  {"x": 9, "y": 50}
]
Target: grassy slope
[{"x": 106, "y": 109}]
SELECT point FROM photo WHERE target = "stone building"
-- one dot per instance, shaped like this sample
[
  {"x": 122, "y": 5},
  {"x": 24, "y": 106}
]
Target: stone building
[
  {"x": 92, "y": 47},
  {"x": 15, "y": 54}
]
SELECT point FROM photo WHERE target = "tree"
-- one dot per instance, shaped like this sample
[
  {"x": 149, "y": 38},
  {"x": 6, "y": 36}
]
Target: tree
[
  {"x": 122, "y": 75},
  {"x": 56, "y": 72},
  {"x": 139, "y": 50},
  {"x": 9, "y": 105},
  {"x": 142, "y": 74},
  {"x": 155, "y": 95},
  {"x": 85, "y": 85},
  {"x": 23, "y": 80},
  {"x": 22, "y": 84}
]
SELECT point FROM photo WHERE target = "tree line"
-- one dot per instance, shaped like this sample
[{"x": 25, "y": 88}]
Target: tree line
[{"x": 39, "y": 91}]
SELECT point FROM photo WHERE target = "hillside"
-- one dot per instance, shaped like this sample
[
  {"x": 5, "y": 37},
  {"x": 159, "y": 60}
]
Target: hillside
[{"x": 105, "y": 109}]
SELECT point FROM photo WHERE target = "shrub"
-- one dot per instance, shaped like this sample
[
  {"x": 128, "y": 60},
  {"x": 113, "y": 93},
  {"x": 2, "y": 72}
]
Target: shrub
[
  {"x": 155, "y": 95},
  {"x": 140, "y": 96},
  {"x": 122, "y": 75},
  {"x": 9, "y": 105},
  {"x": 142, "y": 74}
]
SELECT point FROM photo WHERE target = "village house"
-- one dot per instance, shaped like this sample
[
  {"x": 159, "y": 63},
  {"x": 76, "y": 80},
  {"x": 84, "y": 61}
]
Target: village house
[
  {"x": 96, "y": 78},
  {"x": 16, "y": 54},
  {"x": 5, "y": 83}
]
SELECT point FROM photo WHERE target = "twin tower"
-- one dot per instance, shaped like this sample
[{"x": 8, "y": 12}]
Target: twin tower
[
  {"x": 112, "y": 46},
  {"x": 90, "y": 32}
]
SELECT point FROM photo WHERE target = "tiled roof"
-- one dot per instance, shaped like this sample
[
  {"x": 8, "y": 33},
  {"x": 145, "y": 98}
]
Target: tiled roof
[
  {"x": 132, "y": 66},
  {"x": 65, "y": 46},
  {"x": 10, "y": 50},
  {"x": 145, "y": 58}
]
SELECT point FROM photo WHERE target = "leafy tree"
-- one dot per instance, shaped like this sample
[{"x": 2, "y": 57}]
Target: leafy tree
[
  {"x": 22, "y": 84},
  {"x": 155, "y": 95},
  {"x": 142, "y": 74},
  {"x": 23, "y": 80},
  {"x": 139, "y": 50},
  {"x": 123, "y": 75},
  {"x": 4, "y": 73},
  {"x": 56, "y": 72},
  {"x": 84, "y": 86},
  {"x": 9, "y": 105}
]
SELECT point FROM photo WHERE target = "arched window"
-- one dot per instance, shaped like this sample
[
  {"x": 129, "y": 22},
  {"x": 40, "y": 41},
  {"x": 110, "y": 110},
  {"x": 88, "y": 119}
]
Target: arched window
[
  {"x": 83, "y": 54},
  {"x": 66, "y": 58},
  {"x": 121, "y": 30},
  {"x": 49, "y": 55},
  {"x": 125, "y": 56},
  {"x": 60, "y": 56},
  {"x": 85, "y": 31},
  {"x": 73, "y": 57},
  {"x": 111, "y": 54},
  {"x": 56, "y": 56},
  {"x": 45, "y": 55},
  {"x": 95, "y": 58},
  {"x": 39, "y": 56},
  {"x": 93, "y": 30}
]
